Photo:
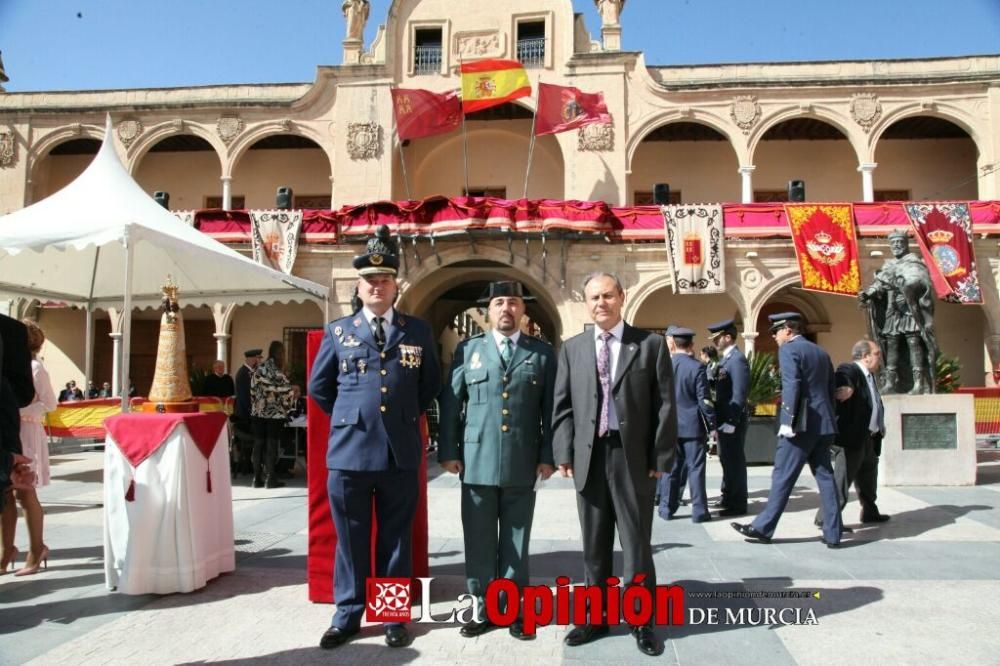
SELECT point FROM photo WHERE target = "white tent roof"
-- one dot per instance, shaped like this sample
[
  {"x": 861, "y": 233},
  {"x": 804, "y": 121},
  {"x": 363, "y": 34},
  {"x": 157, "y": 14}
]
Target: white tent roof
[{"x": 71, "y": 247}]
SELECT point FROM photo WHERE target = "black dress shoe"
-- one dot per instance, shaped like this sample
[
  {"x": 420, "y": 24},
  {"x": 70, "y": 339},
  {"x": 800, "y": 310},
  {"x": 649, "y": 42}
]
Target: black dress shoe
[
  {"x": 718, "y": 504},
  {"x": 258, "y": 482},
  {"x": 647, "y": 642},
  {"x": 517, "y": 631},
  {"x": 844, "y": 529},
  {"x": 830, "y": 545},
  {"x": 273, "y": 483},
  {"x": 334, "y": 637},
  {"x": 473, "y": 629},
  {"x": 584, "y": 633},
  {"x": 876, "y": 518},
  {"x": 397, "y": 636},
  {"x": 732, "y": 513},
  {"x": 749, "y": 532}
]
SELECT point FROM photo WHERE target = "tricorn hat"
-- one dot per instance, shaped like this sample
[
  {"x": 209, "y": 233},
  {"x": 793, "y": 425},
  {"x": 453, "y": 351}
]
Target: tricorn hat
[
  {"x": 380, "y": 255},
  {"x": 504, "y": 288}
]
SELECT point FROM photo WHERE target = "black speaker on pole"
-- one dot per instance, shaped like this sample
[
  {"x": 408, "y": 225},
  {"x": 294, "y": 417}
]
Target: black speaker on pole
[
  {"x": 283, "y": 200},
  {"x": 162, "y": 198},
  {"x": 661, "y": 194},
  {"x": 797, "y": 191}
]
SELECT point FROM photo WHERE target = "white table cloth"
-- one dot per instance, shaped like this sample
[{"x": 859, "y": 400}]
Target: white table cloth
[{"x": 175, "y": 536}]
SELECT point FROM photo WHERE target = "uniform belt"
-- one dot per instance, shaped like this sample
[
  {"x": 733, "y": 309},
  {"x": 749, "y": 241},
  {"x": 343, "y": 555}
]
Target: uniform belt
[{"x": 611, "y": 440}]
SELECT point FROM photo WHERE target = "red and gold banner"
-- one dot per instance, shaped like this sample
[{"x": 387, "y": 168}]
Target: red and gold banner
[
  {"x": 487, "y": 83},
  {"x": 826, "y": 247},
  {"x": 944, "y": 232},
  {"x": 564, "y": 108}
]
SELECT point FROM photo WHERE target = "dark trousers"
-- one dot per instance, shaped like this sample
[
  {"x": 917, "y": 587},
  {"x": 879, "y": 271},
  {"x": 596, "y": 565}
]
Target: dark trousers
[
  {"x": 496, "y": 523},
  {"x": 266, "y": 440},
  {"x": 242, "y": 449},
  {"x": 734, "y": 468},
  {"x": 395, "y": 494},
  {"x": 858, "y": 466},
  {"x": 789, "y": 459},
  {"x": 689, "y": 466},
  {"x": 609, "y": 500}
]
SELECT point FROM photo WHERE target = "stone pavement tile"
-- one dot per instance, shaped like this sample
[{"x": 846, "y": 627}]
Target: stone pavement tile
[{"x": 979, "y": 504}]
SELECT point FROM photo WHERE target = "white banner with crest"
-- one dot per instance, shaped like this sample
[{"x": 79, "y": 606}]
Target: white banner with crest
[
  {"x": 695, "y": 247},
  {"x": 275, "y": 237}
]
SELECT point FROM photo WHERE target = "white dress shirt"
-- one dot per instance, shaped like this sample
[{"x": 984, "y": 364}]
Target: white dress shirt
[
  {"x": 387, "y": 318},
  {"x": 615, "y": 345},
  {"x": 499, "y": 337}
]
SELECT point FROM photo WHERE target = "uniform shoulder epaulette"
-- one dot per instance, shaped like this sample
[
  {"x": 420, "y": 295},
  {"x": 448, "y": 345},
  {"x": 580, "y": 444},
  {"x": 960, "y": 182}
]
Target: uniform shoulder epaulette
[{"x": 476, "y": 336}]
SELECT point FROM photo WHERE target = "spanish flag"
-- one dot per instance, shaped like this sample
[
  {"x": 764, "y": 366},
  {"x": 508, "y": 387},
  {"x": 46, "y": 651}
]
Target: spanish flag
[{"x": 487, "y": 83}]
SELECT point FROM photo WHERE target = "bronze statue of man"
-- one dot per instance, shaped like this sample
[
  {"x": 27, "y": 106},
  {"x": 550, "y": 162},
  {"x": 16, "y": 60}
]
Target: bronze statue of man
[{"x": 900, "y": 305}]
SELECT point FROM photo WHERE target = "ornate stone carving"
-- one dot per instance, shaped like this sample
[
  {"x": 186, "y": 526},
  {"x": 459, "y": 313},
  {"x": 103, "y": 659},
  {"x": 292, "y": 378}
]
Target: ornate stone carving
[
  {"x": 8, "y": 148},
  {"x": 751, "y": 278},
  {"x": 478, "y": 44},
  {"x": 600, "y": 138},
  {"x": 129, "y": 130},
  {"x": 745, "y": 112},
  {"x": 364, "y": 140},
  {"x": 866, "y": 110},
  {"x": 228, "y": 128},
  {"x": 286, "y": 124}
]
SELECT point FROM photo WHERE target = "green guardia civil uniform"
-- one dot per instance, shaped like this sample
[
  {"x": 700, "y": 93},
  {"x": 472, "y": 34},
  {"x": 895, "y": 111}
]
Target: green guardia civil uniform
[{"x": 496, "y": 419}]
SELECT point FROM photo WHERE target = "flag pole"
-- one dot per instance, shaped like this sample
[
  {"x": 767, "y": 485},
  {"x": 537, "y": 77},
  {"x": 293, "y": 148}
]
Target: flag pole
[
  {"x": 531, "y": 145},
  {"x": 402, "y": 162},
  {"x": 465, "y": 135}
]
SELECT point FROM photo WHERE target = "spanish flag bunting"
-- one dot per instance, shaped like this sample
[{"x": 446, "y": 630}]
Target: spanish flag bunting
[{"x": 487, "y": 83}]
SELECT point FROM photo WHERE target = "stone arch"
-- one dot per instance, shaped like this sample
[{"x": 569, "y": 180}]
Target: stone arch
[
  {"x": 780, "y": 281},
  {"x": 947, "y": 112},
  {"x": 252, "y": 135},
  {"x": 40, "y": 151},
  {"x": 709, "y": 120},
  {"x": 639, "y": 295},
  {"x": 820, "y": 113},
  {"x": 164, "y": 130}
]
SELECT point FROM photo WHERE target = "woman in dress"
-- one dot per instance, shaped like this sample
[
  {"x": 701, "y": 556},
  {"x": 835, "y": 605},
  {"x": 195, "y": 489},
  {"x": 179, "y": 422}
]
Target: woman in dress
[{"x": 34, "y": 444}]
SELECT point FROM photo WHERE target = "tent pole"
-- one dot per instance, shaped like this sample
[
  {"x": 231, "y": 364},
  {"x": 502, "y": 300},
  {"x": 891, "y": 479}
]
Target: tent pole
[
  {"x": 88, "y": 350},
  {"x": 124, "y": 383}
]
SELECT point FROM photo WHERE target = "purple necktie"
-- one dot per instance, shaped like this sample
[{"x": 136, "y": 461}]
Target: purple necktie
[{"x": 604, "y": 374}]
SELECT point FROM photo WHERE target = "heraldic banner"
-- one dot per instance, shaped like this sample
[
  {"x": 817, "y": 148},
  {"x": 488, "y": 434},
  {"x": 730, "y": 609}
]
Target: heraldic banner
[
  {"x": 944, "y": 231},
  {"x": 275, "y": 237},
  {"x": 826, "y": 247},
  {"x": 695, "y": 246}
]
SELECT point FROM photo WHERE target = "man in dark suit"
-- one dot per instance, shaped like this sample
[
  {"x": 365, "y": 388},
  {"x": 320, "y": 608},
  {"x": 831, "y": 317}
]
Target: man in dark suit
[
  {"x": 695, "y": 420},
  {"x": 242, "y": 426},
  {"x": 808, "y": 425},
  {"x": 860, "y": 427},
  {"x": 375, "y": 373},
  {"x": 615, "y": 432},
  {"x": 219, "y": 384},
  {"x": 732, "y": 386},
  {"x": 496, "y": 431}
]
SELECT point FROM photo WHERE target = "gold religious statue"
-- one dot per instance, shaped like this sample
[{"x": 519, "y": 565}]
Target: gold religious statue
[{"x": 171, "y": 390}]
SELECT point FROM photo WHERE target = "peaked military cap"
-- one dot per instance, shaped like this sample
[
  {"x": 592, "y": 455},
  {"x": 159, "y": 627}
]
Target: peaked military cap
[
  {"x": 250, "y": 353},
  {"x": 720, "y": 327},
  {"x": 779, "y": 320},
  {"x": 505, "y": 289},
  {"x": 680, "y": 332},
  {"x": 380, "y": 255}
]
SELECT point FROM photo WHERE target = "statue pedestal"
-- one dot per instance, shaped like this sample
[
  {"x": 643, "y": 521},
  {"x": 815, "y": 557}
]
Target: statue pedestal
[
  {"x": 930, "y": 440},
  {"x": 352, "y": 51},
  {"x": 611, "y": 35}
]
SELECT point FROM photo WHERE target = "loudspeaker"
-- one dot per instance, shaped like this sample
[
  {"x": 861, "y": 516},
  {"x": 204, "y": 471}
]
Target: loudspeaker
[
  {"x": 162, "y": 198},
  {"x": 797, "y": 190},
  {"x": 661, "y": 194},
  {"x": 283, "y": 200}
]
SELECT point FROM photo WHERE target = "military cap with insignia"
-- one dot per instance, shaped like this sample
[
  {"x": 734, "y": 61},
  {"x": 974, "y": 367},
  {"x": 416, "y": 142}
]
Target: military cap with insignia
[
  {"x": 721, "y": 327},
  {"x": 778, "y": 321},
  {"x": 380, "y": 257},
  {"x": 251, "y": 353},
  {"x": 680, "y": 332},
  {"x": 505, "y": 289}
]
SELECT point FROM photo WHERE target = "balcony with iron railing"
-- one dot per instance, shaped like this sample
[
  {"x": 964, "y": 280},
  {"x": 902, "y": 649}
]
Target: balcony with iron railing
[
  {"x": 427, "y": 59},
  {"x": 531, "y": 52}
]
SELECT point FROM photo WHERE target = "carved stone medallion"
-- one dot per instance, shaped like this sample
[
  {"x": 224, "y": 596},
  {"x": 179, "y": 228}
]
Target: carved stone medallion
[
  {"x": 478, "y": 44},
  {"x": 129, "y": 130},
  {"x": 599, "y": 138},
  {"x": 866, "y": 110},
  {"x": 364, "y": 140},
  {"x": 228, "y": 128},
  {"x": 8, "y": 148},
  {"x": 745, "y": 112}
]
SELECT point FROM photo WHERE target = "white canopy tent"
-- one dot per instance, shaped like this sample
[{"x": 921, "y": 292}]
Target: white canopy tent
[{"x": 103, "y": 242}]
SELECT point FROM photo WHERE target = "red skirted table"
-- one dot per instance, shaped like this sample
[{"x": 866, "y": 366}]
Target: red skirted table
[
  {"x": 322, "y": 535},
  {"x": 168, "y": 508}
]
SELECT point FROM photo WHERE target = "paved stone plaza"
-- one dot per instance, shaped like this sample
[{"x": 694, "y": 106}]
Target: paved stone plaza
[{"x": 919, "y": 589}]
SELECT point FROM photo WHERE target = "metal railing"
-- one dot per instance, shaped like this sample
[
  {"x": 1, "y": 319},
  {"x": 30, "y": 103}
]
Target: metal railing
[
  {"x": 427, "y": 59},
  {"x": 531, "y": 52}
]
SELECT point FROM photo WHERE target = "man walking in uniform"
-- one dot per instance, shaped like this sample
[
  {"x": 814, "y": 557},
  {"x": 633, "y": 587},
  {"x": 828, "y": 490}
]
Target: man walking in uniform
[
  {"x": 808, "y": 425},
  {"x": 615, "y": 432},
  {"x": 496, "y": 431},
  {"x": 376, "y": 372},
  {"x": 732, "y": 386},
  {"x": 695, "y": 420}
]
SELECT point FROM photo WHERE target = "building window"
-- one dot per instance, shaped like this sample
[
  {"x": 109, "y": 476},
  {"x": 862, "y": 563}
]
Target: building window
[
  {"x": 499, "y": 192},
  {"x": 318, "y": 201},
  {"x": 770, "y": 196},
  {"x": 531, "y": 43},
  {"x": 645, "y": 198},
  {"x": 891, "y": 195},
  {"x": 427, "y": 50},
  {"x": 239, "y": 202}
]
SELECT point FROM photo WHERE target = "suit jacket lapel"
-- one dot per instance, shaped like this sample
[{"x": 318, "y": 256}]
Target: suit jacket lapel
[
  {"x": 395, "y": 333},
  {"x": 628, "y": 352},
  {"x": 520, "y": 354},
  {"x": 363, "y": 330}
]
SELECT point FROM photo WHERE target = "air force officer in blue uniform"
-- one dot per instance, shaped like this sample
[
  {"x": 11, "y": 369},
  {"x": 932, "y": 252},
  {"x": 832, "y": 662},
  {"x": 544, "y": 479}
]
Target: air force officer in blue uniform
[
  {"x": 808, "y": 425},
  {"x": 732, "y": 386},
  {"x": 376, "y": 371}
]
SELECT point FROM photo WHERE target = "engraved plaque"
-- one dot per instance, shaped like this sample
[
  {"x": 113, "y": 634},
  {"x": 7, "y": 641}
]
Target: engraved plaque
[{"x": 930, "y": 431}]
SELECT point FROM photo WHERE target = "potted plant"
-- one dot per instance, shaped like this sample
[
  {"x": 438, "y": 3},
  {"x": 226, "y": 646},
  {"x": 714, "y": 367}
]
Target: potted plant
[{"x": 762, "y": 403}]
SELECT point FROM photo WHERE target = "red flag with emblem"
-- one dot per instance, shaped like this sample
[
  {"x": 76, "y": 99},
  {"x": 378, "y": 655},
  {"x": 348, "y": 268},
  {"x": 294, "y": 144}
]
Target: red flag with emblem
[
  {"x": 424, "y": 113},
  {"x": 563, "y": 108},
  {"x": 826, "y": 247}
]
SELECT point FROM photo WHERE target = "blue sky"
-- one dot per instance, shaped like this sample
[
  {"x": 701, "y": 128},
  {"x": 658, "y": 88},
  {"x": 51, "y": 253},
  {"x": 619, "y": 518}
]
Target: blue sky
[{"x": 97, "y": 44}]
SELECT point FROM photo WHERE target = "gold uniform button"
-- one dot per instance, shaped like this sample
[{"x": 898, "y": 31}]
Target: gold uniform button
[
  {"x": 504, "y": 427},
  {"x": 505, "y": 412},
  {"x": 381, "y": 355},
  {"x": 505, "y": 395},
  {"x": 505, "y": 380},
  {"x": 385, "y": 389},
  {"x": 383, "y": 409},
  {"x": 383, "y": 372}
]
